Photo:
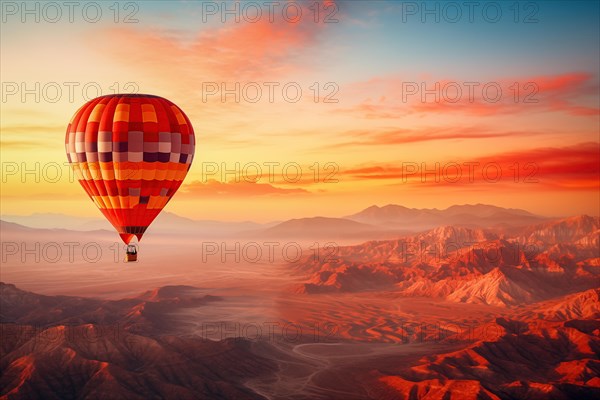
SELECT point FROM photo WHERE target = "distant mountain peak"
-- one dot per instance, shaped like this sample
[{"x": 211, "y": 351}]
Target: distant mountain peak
[{"x": 482, "y": 215}]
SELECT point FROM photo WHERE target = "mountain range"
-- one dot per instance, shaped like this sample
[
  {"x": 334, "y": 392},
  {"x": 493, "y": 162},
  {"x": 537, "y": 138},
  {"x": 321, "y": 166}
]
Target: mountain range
[
  {"x": 373, "y": 222},
  {"x": 468, "y": 265},
  {"x": 116, "y": 350},
  {"x": 57, "y": 347},
  {"x": 502, "y": 305},
  {"x": 473, "y": 215}
]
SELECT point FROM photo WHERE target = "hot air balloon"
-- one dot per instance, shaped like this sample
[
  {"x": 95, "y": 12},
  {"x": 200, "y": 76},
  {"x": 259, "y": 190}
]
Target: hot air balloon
[{"x": 130, "y": 152}]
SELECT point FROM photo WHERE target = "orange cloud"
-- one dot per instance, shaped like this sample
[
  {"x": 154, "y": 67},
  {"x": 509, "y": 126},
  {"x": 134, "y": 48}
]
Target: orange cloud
[
  {"x": 567, "y": 168},
  {"x": 542, "y": 93},
  {"x": 22, "y": 144},
  {"x": 396, "y": 97},
  {"x": 236, "y": 189},
  {"x": 404, "y": 136},
  {"x": 247, "y": 51}
]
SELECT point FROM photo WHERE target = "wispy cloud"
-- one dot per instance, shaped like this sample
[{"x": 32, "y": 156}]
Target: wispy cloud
[
  {"x": 566, "y": 168},
  {"x": 247, "y": 51},
  {"x": 22, "y": 144},
  {"x": 394, "y": 97},
  {"x": 29, "y": 128},
  {"x": 391, "y": 136},
  {"x": 237, "y": 189}
]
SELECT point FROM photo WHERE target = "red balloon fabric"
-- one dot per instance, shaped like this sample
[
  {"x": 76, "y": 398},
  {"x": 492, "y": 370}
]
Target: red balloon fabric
[{"x": 130, "y": 152}]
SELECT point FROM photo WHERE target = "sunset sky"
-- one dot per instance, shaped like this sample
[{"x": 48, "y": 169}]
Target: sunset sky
[{"x": 369, "y": 130}]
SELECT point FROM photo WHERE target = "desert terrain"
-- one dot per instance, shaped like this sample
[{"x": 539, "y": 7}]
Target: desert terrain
[{"x": 506, "y": 306}]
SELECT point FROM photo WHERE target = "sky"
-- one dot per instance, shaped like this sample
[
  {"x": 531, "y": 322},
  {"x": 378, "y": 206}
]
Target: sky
[{"x": 304, "y": 108}]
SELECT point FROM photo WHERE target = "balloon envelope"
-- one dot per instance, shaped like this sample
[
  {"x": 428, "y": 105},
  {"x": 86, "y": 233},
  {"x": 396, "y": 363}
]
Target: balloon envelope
[{"x": 130, "y": 152}]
